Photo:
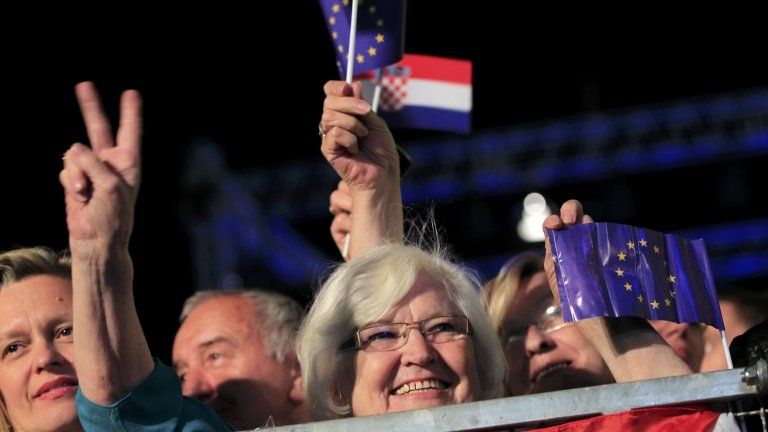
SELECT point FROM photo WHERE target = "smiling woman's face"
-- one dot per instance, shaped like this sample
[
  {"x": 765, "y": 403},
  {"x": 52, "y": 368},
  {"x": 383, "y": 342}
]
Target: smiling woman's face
[
  {"x": 541, "y": 361},
  {"x": 37, "y": 373},
  {"x": 419, "y": 374}
]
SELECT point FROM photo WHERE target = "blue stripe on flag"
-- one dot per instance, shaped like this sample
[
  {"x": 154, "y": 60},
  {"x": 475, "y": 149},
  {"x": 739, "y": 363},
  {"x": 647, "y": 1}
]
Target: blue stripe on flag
[{"x": 419, "y": 117}]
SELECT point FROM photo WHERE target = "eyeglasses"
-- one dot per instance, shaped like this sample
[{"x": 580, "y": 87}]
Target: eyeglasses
[
  {"x": 550, "y": 320},
  {"x": 391, "y": 336}
]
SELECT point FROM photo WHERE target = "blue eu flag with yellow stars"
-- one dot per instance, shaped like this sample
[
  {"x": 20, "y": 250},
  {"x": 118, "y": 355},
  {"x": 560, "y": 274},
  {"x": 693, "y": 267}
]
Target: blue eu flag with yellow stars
[
  {"x": 608, "y": 269},
  {"x": 380, "y": 32}
]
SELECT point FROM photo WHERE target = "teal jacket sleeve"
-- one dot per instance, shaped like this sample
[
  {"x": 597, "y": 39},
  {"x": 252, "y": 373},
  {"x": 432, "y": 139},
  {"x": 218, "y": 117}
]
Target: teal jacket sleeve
[{"x": 156, "y": 405}]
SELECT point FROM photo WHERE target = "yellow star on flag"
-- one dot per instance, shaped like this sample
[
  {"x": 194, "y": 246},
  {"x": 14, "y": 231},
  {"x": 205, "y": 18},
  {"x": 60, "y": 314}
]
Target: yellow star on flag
[
  {"x": 620, "y": 272},
  {"x": 673, "y": 293},
  {"x": 371, "y": 51},
  {"x": 668, "y": 302},
  {"x": 341, "y": 48},
  {"x": 332, "y": 20},
  {"x": 335, "y": 35},
  {"x": 372, "y": 10},
  {"x": 379, "y": 38},
  {"x": 655, "y": 304},
  {"x": 631, "y": 245},
  {"x": 345, "y": 2},
  {"x": 380, "y": 23},
  {"x": 640, "y": 298},
  {"x": 622, "y": 256},
  {"x": 672, "y": 279},
  {"x": 628, "y": 286},
  {"x": 360, "y": 58},
  {"x": 656, "y": 249},
  {"x": 335, "y": 8},
  {"x": 643, "y": 243}
]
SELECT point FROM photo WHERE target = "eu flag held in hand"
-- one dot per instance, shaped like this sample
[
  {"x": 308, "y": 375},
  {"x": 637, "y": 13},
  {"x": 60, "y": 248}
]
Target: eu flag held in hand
[
  {"x": 608, "y": 269},
  {"x": 380, "y": 32}
]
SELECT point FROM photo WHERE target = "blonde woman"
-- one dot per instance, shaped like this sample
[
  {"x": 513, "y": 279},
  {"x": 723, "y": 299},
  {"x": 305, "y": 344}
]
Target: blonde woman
[{"x": 38, "y": 381}]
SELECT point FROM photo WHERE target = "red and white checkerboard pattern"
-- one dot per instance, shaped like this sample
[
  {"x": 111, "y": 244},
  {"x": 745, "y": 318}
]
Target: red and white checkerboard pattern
[{"x": 393, "y": 93}]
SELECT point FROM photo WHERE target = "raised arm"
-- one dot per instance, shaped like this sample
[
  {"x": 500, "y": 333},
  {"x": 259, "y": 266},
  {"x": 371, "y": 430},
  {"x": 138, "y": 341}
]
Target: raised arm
[
  {"x": 359, "y": 146},
  {"x": 101, "y": 183},
  {"x": 631, "y": 348}
]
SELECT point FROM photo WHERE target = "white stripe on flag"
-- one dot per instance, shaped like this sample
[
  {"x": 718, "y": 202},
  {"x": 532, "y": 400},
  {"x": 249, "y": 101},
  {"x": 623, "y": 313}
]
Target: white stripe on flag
[{"x": 439, "y": 94}]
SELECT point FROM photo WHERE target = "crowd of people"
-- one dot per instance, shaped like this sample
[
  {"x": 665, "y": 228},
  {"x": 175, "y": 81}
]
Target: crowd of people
[{"x": 75, "y": 356}]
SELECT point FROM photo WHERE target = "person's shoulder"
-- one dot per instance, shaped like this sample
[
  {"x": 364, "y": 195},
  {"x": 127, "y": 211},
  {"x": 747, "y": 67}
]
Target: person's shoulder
[
  {"x": 157, "y": 402},
  {"x": 193, "y": 415},
  {"x": 196, "y": 416}
]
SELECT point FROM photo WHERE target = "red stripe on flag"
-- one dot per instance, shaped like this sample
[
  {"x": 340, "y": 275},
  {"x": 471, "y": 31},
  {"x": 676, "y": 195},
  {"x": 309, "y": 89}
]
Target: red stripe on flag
[
  {"x": 367, "y": 75},
  {"x": 432, "y": 68},
  {"x": 438, "y": 68},
  {"x": 657, "y": 419}
]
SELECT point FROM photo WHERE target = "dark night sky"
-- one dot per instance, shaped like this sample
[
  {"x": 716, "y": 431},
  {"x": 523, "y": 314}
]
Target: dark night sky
[{"x": 221, "y": 73}]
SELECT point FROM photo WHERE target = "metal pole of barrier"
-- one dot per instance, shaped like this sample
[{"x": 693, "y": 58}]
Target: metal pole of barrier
[{"x": 719, "y": 386}]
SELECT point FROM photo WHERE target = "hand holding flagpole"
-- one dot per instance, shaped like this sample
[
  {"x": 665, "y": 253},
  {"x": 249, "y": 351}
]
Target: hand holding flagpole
[
  {"x": 374, "y": 107},
  {"x": 373, "y": 39},
  {"x": 350, "y": 74}
]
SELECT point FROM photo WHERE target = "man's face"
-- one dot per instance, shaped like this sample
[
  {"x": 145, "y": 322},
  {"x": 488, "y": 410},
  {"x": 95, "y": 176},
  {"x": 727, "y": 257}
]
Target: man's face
[{"x": 220, "y": 356}]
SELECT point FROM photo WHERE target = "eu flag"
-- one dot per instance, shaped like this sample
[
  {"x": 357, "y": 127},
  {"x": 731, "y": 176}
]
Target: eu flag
[
  {"x": 608, "y": 269},
  {"x": 380, "y": 32}
]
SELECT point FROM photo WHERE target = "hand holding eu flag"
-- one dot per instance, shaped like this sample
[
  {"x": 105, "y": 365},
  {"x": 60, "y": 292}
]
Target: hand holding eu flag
[
  {"x": 629, "y": 346},
  {"x": 571, "y": 213}
]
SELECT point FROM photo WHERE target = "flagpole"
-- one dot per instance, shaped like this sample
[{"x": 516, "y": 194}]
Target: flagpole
[
  {"x": 351, "y": 47},
  {"x": 345, "y": 250},
  {"x": 350, "y": 68},
  {"x": 376, "y": 92},
  {"x": 729, "y": 363},
  {"x": 727, "y": 351},
  {"x": 374, "y": 108}
]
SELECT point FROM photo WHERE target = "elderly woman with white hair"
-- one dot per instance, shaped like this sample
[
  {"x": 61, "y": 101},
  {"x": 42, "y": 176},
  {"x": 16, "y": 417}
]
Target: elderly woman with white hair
[
  {"x": 397, "y": 327},
  {"x": 412, "y": 328}
]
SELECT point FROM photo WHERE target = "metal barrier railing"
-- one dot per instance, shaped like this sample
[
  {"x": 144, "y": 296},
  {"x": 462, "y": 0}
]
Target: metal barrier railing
[{"x": 722, "y": 386}]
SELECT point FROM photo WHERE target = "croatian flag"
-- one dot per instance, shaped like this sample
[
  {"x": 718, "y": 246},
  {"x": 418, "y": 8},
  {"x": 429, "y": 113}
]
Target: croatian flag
[{"x": 424, "y": 92}]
